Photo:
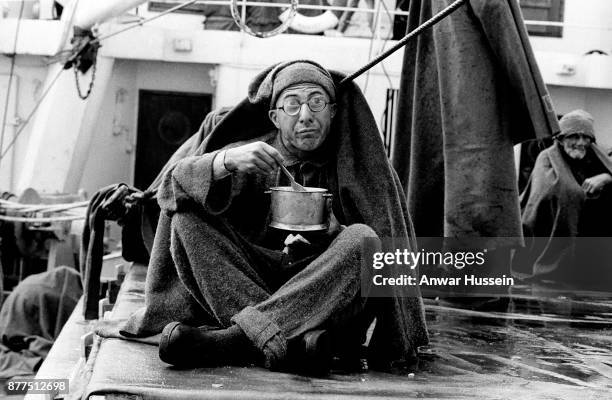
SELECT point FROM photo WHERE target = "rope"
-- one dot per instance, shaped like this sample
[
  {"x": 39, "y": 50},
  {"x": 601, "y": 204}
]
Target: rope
[
  {"x": 25, "y": 123},
  {"x": 12, "y": 205},
  {"x": 41, "y": 220},
  {"x": 140, "y": 23},
  {"x": 373, "y": 29},
  {"x": 58, "y": 207},
  {"x": 6, "y": 205},
  {"x": 13, "y": 56},
  {"x": 416, "y": 32}
]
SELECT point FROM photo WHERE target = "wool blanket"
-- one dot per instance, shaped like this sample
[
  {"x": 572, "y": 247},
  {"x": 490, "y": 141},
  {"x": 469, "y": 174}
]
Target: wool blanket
[
  {"x": 365, "y": 190},
  {"x": 470, "y": 89},
  {"x": 33, "y": 315},
  {"x": 109, "y": 204}
]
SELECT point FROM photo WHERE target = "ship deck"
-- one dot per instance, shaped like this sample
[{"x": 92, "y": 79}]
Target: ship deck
[{"x": 543, "y": 346}]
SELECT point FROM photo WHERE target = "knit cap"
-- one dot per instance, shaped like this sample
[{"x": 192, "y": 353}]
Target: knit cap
[{"x": 288, "y": 74}]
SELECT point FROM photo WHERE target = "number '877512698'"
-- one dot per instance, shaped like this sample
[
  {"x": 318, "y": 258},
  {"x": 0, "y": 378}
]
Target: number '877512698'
[{"x": 36, "y": 386}]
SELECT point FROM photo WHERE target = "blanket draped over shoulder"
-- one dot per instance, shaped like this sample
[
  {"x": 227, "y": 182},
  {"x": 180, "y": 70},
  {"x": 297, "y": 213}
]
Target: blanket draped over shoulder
[
  {"x": 557, "y": 219},
  {"x": 365, "y": 190},
  {"x": 470, "y": 89}
]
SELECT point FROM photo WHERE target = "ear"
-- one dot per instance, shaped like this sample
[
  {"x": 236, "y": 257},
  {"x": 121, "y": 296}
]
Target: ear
[
  {"x": 273, "y": 115},
  {"x": 332, "y": 110}
]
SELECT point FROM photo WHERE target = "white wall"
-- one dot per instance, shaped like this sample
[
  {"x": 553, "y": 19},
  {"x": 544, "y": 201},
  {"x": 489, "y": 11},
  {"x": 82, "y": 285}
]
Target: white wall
[
  {"x": 584, "y": 17},
  {"x": 589, "y": 27},
  {"x": 111, "y": 156},
  {"x": 26, "y": 88}
]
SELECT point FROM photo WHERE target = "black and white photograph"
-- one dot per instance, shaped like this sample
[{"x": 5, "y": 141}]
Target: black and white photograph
[{"x": 305, "y": 199}]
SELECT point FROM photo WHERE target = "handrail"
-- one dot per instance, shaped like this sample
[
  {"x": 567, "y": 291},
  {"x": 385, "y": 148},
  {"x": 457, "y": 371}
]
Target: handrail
[
  {"x": 391, "y": 12},
  {"x": 373, "y": 11}
]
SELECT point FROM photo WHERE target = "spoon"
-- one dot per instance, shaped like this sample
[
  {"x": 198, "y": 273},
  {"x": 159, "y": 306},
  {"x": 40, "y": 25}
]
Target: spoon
[{"x": 294, "y": 185}]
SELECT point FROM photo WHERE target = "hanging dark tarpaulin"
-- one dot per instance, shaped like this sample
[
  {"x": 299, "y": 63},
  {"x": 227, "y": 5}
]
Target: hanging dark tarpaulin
[{"x": 470, "y": 89}]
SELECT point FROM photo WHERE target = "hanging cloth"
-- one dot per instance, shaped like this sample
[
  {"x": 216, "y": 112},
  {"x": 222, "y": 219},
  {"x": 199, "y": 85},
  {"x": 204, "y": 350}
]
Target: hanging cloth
[{"x": 470, "y": 89}]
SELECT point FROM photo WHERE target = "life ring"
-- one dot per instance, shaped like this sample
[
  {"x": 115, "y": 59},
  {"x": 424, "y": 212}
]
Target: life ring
[
  {"x": 316, "y": 24},
  {"x": 280, "y": 29}
]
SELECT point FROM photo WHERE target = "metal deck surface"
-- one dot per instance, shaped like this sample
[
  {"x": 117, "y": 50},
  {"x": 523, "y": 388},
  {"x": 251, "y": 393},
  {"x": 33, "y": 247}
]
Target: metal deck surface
[{"x": 543, "y": 346}]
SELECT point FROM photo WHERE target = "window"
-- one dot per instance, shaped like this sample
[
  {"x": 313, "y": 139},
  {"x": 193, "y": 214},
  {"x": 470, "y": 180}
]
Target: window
[{"x": 543, "y": 10}]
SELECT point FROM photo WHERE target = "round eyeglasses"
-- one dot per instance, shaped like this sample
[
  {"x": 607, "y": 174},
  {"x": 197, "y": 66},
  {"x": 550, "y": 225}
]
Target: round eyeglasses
[{"x": 292, "y": 106}]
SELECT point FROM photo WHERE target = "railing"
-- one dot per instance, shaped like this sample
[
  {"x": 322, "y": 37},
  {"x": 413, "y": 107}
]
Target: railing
[
  {"x": 378, "y": 24},
  {"x": 379, "y": 8}
]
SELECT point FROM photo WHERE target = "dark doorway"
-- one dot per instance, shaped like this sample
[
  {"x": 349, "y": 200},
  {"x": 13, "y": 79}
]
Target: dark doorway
[{"x": 165, "y": 121}]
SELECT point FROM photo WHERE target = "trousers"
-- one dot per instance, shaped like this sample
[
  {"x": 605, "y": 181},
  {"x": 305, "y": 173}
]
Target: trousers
[{"x": 270, "y": 296}]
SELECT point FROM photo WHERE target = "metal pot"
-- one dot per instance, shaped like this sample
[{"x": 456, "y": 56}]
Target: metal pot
[{"x": 299, "y": 211}]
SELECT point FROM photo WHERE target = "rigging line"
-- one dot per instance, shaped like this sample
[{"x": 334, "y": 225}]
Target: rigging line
[
  {"x": 14, "y": 206},
  {"x": 57, "y": 56},
  {"x": 384, "y": 44},
  {"x": 386, "y": 118},
  {"x": 42, "y": 97},
  {"x": 373, "y": 28},
  {"x": 382, "y": 64},
  {"x": 70, "y": 21},
  {"x": 25, "y": 122},
  {"x": 11, "y": 74},
  {"x": 412, "y": 34},
  {"x": 41, "y": 220},
  {"x": 140, "y": 23}
]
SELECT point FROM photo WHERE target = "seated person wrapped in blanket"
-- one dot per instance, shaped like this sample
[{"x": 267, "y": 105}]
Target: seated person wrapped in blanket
[
  {"x": 566, "y": 210},
  {"x": 223, "y": 287}
]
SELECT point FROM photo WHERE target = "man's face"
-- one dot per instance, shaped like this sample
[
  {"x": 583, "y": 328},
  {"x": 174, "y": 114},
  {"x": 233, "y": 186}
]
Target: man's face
[
  {"x": 307, "y": 130},
  {"x": 575, "y": 145}
]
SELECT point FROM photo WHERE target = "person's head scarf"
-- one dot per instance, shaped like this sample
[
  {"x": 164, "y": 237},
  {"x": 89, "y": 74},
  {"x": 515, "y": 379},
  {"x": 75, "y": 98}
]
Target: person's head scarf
[{"x": 577, "y": 122}]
